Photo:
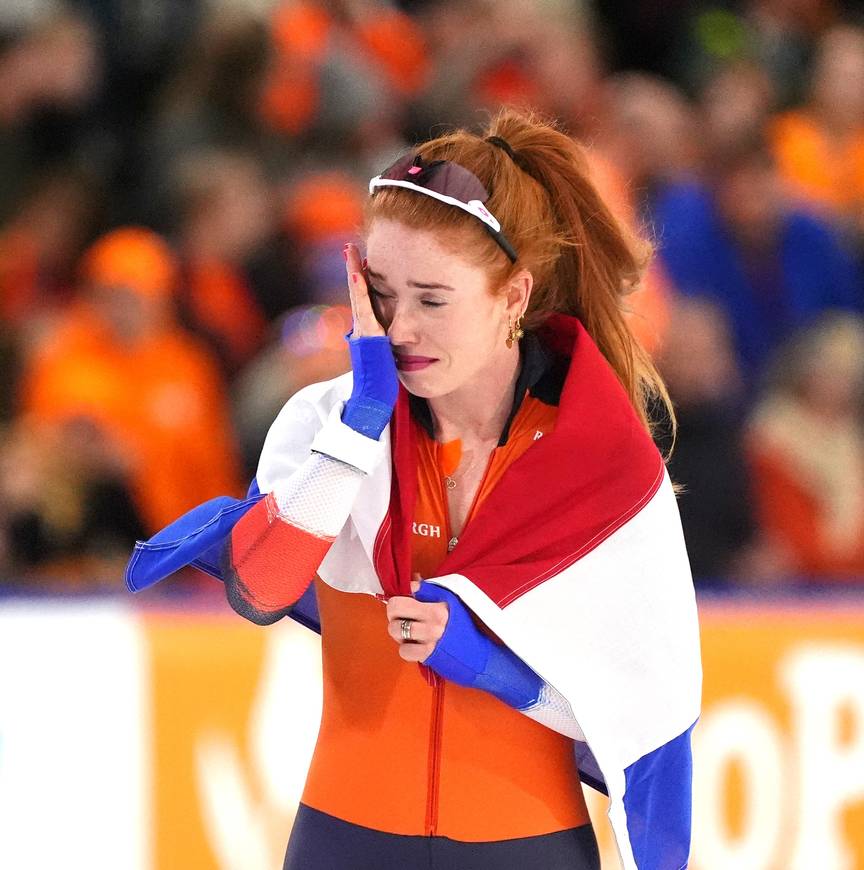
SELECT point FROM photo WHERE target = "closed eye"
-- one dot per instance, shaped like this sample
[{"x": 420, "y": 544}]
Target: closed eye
[{"x": 377, "y": 294}]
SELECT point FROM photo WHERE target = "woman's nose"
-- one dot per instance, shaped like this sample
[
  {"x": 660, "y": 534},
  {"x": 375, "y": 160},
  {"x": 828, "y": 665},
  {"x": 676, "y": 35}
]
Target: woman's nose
[{"x": 402, "y": 328}]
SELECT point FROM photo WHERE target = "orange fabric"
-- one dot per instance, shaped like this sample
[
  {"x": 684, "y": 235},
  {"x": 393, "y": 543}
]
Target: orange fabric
[
  {"x": 324, "y": 205},
  {"x": 790, "y": 516},
  {"x": 397, "y": 43},
  {"x": 290, "y": 98},
  {"x": 506, "y": 83},
  {"x": 161, "y": 401},
  {"x": 825, "y": 170},
  {"x": 301, "y": 29},
  {"x": 221, "y": 301},
  {"x": 397, "y": 754},
  {"x": 134, "y": 258},
  {"x": 534, "y": 420}
]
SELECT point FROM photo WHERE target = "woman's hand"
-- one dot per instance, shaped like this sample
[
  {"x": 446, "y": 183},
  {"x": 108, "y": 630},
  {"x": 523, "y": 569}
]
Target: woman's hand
[
  {"x": 375, "y": 385},
  {"x": 428, "y": 621},
  {"x": 365, "y": 321}
]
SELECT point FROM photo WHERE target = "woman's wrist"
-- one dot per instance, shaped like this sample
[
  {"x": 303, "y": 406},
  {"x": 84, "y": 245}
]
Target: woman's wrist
[
  {"x": 466, "y": 656},
  {"x": 375, "y": 388}
]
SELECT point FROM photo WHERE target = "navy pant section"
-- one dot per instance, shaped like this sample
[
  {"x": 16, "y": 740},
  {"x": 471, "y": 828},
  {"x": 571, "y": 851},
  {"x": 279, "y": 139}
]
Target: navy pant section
[{"x": 322, "y": 842}]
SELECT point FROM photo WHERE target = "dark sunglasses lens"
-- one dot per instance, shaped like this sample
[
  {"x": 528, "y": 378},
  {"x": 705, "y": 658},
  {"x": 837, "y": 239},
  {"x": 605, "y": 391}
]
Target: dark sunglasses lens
[{"x": 448, "y": 179}]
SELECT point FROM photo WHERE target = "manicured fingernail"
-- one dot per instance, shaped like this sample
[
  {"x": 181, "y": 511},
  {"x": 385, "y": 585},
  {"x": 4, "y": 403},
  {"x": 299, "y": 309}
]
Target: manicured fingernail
[
  {"x": 355, "y": 277},
  {"x": 345, "y": 253}
]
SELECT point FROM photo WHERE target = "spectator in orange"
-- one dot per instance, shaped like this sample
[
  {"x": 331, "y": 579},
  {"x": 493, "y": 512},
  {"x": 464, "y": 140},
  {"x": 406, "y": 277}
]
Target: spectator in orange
[
  {"x": 510, "y": 53},
  {"x": 820, "y": 148},
  {"x": 118, "y": 359},
  {"x": 396, "y": 43},
  {"x": 806, "y": 442},
  {"x": 337, "y": 72}
]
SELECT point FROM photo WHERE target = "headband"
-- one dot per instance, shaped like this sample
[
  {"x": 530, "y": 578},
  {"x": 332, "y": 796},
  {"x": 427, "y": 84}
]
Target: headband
[{"x": 449, "y": 183}]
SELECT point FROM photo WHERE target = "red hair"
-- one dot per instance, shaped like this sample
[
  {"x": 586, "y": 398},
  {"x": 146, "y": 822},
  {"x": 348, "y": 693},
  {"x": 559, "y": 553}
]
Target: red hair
[{"x": 582, "y": 259}]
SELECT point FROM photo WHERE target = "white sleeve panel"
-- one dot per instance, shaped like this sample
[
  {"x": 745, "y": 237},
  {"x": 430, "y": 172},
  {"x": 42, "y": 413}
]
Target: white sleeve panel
[{"x": 318, "y": 497}]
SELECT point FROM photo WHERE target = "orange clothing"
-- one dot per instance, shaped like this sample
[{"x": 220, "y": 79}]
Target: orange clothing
[
  {"x": 790, "y": 515},
  {"x": 808, "y": 484},
  {"x": 401, "y": 750},
  {"x": 323, "y": 205},
  {"x": 161, "y": 401},
  {"x": 221, "y": 301},
  {"x": 291, "y": 93},
  {"x": 396, "y": 43},
  {"x": 825, "y": 170}
]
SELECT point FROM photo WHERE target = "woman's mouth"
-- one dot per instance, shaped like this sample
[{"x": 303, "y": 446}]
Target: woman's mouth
[{"x": 406, "y": 363}]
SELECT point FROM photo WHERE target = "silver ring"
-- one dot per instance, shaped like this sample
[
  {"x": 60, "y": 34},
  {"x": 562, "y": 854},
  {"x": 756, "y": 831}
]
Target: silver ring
[{"x": 406, "y": 629}]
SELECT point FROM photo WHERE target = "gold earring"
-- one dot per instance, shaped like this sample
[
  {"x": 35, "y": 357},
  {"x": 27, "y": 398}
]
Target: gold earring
[{"x": 514, "y": 332}]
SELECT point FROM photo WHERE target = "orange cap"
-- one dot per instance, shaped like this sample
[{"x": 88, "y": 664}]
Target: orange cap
[{"x": 134, "y": 258}]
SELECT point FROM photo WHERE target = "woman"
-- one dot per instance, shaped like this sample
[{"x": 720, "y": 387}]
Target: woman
[
  {"x": 513, "y": 477},
  {"x": 811, "y": 502}
]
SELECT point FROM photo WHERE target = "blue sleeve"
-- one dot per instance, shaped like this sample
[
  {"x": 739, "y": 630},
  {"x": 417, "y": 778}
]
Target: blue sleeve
[
  {"x": 194, "y": 539},
  {"x": 376, "y": 385},
  {"x": 466, "y": 656}
]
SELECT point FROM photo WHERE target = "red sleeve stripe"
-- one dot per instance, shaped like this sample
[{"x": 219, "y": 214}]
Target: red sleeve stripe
[{"x": 274, "y": 561}]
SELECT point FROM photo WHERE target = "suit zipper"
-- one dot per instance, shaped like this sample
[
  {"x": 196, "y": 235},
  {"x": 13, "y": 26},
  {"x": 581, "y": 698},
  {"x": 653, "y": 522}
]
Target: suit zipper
[
  {"x": 437, "y": 683},
  {"x": 434, "y": 777}
]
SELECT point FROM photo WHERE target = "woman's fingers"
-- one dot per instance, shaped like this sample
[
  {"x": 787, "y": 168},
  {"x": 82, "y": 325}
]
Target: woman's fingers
[
  {"x": 427, "y": 621},
  {"x": 365, "y": 321},
  {"x": 404, "y": 607},
  {"x": 420, "y": 632},
  {"x": 350, "y": 293}
]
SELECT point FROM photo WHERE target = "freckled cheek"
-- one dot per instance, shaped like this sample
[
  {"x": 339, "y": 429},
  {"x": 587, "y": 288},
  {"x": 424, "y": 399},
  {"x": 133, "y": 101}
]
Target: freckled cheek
[{"x": 462, "y": 346}]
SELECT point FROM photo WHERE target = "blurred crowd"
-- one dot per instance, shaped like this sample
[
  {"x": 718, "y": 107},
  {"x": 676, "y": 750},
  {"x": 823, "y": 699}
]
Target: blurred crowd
[{"x": 177, "y": 181}]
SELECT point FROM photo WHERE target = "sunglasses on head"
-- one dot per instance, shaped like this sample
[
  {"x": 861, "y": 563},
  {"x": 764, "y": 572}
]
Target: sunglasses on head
[{"x": 449, "y": 183}]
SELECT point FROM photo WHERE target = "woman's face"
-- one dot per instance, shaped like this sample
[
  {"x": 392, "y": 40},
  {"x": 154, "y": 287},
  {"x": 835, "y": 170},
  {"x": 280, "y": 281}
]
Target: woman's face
[{"x": 446, "y": 328}]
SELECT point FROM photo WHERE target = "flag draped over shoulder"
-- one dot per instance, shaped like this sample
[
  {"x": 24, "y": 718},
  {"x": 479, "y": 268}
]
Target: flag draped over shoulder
[{"x": 569, "y": 492}]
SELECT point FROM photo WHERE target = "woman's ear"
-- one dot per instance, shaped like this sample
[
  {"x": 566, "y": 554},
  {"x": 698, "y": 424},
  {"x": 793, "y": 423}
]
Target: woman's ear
[{"x": 518, "y": 293}]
